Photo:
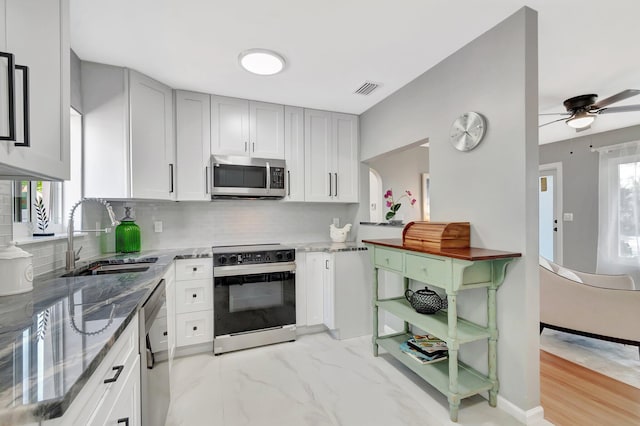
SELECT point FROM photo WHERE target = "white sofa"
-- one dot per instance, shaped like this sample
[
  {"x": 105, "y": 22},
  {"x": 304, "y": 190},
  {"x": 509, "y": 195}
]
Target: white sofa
[{"x": 602, "y": 306}]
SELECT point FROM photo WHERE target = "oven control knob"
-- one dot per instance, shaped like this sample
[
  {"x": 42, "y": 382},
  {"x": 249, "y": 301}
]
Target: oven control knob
[
  {"x": 233, "y": 259},
  {"x": 222, "y": 260},
  {"x": 279, "y": 256},
  {"x": 289, "y": 255}
]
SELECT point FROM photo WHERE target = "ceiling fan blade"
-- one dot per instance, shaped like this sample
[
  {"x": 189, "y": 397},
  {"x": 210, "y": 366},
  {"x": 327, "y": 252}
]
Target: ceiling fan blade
[
  {"x": 551, "y": 122},
  {"x": 556, "y": 113},
  {"x": 616, "y": 98},
  {"x": 626, "y": 108}
]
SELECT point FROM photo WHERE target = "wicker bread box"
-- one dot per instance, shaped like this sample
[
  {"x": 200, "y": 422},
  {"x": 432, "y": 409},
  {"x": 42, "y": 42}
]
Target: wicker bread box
[{"x": 437, "y": 235}]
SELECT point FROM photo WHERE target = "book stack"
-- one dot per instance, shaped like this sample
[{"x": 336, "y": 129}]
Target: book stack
[{"x": 425, "y": 348}]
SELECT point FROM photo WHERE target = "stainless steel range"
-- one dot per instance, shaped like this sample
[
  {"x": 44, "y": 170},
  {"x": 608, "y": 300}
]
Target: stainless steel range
[{"x": 254, "y": 296}]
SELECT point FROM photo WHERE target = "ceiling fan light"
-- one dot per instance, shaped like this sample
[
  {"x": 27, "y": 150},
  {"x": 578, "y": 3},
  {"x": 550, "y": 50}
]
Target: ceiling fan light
[
  {"x": 261, "y": 61},
  {"x": 581, "y": 120}
]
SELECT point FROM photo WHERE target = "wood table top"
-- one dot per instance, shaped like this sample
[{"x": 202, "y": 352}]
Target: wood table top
[{"x": 468, "y": 253}]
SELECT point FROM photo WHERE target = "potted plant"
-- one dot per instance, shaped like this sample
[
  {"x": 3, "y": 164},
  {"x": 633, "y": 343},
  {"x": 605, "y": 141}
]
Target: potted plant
[{"x": 394, "y": 206}]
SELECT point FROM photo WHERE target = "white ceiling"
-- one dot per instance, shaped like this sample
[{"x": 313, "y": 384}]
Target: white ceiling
[{"x": 333, "y": 46}]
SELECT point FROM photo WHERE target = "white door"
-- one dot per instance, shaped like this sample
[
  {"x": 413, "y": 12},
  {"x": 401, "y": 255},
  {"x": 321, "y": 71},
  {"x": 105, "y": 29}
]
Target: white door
[
  {"x": 346, "y": 168},
  {"x": 193, "y": 143},
  {"x": 266, "y": 130},
  {"x": 152, "y": 141},
  {"x": 294, "y": 153},
  {"x": 549, "y": 220},
  {"x": 229, "y": 126},
  {"x": 318, "y": 178}
]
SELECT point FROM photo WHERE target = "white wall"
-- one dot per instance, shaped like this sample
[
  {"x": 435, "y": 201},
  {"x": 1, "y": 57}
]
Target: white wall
[{"x": 494, "y": 187}]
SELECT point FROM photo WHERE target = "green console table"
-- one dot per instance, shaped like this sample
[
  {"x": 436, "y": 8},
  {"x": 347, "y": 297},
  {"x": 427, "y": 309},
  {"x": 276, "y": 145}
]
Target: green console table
[{"x": 453, "y": 270}]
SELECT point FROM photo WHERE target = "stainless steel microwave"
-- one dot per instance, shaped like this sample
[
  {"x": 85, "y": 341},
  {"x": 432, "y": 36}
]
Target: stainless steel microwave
[{"x": 247, "y": 177}]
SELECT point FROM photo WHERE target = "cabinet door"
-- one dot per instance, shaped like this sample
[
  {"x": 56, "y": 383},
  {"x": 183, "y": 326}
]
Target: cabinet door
[
  {"x": 193, "y": 144},
  {"x": 318, "y": 178},
  {"x": 152, "y": 141},
  {"x": 170, "y": 286},
  {"x": 126, "y": 408},
  {"x": 346, "y": 159},
  {"x": 328, "y": 291},
  {"x": 229, "y": 126},
  {"x": 315, "y": 267},
  {"x": 301, "y": 289},
  {"x": 294, "y": 152},
  {"x": 266, "y": 130},
  {"x": 37, "y": 33}
]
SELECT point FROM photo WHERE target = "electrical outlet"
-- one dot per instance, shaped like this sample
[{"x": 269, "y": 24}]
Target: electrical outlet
[
  {"x": 567, "y": 217},
  {"x": 157, "y": 226},
  {"x": 336, "y": 221}
]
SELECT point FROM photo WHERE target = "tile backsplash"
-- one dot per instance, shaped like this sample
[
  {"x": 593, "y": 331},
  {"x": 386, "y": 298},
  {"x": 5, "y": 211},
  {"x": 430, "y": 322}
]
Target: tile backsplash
[{"x": 6, "y": 220}]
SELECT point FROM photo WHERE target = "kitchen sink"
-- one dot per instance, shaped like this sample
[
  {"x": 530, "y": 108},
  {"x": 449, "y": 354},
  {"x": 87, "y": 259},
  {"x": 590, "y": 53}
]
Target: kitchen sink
[{"x": 113, "y": 266}]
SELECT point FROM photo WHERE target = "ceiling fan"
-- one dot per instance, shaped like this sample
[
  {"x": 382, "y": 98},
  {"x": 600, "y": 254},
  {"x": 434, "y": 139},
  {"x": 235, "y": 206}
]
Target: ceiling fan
[{"x": 582, "y": 110}]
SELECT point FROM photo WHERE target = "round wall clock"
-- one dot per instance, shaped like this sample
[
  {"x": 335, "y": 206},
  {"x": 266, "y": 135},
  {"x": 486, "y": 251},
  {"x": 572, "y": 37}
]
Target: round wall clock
[{"x": 467, "y": 131}]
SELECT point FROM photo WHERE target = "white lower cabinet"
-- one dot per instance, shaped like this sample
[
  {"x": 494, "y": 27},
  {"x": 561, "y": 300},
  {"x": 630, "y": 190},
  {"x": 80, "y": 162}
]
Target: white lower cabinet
[
  {"x": 125, "y": 409},
  {"x": 113, "y": 388},
  {"x": 192, "y": 301},
  {"x": 337, "y": 292}
]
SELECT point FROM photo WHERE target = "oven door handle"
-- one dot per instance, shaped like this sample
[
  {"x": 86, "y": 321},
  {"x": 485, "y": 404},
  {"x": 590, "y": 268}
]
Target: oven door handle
[{"x": 263, "y": 268}]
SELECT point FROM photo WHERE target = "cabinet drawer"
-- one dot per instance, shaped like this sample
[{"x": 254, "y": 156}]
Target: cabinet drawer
[
  {"x": 427, "y": 270},
  {"x": 95, "y": 392},
  {"x": 194, "y": 295},
  {"x": 388, "y": 259},
  {"x": 194, "y": 327},
  {"x": 194, "y": 269}
]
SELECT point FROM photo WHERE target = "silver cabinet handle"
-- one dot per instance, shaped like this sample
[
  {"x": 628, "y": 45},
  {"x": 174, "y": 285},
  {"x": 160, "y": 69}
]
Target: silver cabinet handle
[
  {"x": 330, "y": 184},
  {"x": 326, "y": 264},
  {"x": 288, "y": 183},
  {"x": 268, "y": 176},
  {"x": 254, "y": 146},
  {"x": 171, "y": 178},
  {"x": 245, "y": 147},
  {"x": 336, "y": 192}
]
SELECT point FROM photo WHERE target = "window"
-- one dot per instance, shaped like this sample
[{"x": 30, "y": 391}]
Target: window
[
  {"x": 619, "y": 210},
  {"x": 57, "y": 197}
]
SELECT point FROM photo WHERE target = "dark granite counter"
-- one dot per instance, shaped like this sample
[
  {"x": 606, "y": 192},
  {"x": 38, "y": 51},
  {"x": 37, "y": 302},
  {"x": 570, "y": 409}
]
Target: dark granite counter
[{"x": 53, "y": 338}]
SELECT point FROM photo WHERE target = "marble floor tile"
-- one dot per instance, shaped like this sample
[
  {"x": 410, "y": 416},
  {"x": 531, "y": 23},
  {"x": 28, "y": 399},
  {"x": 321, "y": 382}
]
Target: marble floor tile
[{"x": 313, "y": 381}]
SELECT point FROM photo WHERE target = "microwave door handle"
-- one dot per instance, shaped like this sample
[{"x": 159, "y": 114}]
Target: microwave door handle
[{"x": 268, "y": 177}]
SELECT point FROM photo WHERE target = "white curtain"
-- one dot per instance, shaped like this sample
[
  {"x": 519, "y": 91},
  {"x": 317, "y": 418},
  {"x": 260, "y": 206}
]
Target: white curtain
[{"x": 619, "y": 211}]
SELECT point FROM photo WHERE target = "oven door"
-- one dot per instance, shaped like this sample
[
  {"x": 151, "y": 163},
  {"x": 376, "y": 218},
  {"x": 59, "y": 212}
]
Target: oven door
[{"x": 253, "y": 297}]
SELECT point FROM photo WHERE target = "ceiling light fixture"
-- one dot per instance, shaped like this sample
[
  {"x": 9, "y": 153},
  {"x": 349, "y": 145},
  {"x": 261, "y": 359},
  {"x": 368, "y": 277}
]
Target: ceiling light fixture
[
  {"x": 261, "y": 61},
  {"x": 581, "y": 119}
]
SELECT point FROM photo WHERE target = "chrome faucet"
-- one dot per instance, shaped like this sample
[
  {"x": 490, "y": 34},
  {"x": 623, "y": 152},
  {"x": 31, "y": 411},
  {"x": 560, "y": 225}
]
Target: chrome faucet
[{"x": 72, "y": 256}]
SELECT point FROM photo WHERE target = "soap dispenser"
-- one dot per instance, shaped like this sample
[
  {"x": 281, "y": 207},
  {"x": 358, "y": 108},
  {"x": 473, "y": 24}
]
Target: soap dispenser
[{"x": 127, "y": 234}]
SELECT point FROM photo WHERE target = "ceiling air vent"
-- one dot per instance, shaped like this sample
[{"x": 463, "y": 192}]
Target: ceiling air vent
[{"x": 366, "y": 88}]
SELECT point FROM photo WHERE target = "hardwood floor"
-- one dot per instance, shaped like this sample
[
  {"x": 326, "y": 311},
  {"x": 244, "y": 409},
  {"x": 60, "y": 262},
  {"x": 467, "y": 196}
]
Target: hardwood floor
[{"x": 572, "y": 395}]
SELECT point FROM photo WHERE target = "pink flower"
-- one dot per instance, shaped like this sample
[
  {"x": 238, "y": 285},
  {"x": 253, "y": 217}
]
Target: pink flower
[
  {"x": 389, "y": 203},
  {"x": 388, "y": 194},
  {"x": 408, "y": 192},
  {"x": 412, "y": 201}
]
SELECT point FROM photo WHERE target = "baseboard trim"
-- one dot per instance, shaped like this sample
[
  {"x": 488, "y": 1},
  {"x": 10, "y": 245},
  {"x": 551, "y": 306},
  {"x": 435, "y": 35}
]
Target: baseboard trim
[{"x": 528, "y": 417}]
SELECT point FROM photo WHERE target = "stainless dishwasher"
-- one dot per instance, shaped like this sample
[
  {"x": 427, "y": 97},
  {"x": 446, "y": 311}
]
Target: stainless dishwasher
[{"x": 154, "y": 366}]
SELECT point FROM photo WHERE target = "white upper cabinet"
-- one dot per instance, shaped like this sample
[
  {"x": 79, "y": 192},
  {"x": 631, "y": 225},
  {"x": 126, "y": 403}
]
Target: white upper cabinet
[
  {"x": 153, "y": 170},
  {"x": 229, "y": 126},
  {"x": 266, "y": 130},
  {"x": 294, "y": 152},
  {"x": 37, "y": 34},
  {"x": 129, "y": 143},
  {"x": 193, "y": 145},
  {"x": 248, "y": 128},
  {"x": 331, "y": 156}
]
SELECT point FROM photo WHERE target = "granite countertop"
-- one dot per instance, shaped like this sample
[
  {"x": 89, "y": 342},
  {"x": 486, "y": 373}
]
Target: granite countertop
[
  {"x": 327, "y": 246},
  {"x": 53, "y": 338}
]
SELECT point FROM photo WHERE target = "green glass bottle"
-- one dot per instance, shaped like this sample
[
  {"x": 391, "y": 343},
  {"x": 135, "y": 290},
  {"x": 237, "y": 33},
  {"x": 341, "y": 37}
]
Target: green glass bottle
[{"x": 127, "y": 234}]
